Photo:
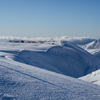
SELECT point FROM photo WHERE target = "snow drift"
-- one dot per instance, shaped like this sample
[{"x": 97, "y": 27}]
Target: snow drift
[{"x": 67, "y": 59}]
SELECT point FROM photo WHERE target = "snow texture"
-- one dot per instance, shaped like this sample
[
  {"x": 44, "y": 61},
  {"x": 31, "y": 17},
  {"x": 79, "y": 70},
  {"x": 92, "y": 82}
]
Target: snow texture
[{"x": 21, "y": 81}]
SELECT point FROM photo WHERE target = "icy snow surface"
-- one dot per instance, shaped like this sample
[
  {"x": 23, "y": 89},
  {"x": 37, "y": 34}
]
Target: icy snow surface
[
  {"x": 20, "y": 81},
  {"x": 23, "y": 82}
]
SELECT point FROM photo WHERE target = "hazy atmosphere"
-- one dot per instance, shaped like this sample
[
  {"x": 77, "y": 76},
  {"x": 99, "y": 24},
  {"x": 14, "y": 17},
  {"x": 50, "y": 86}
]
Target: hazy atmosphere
[{"x": 50, "y": 18}]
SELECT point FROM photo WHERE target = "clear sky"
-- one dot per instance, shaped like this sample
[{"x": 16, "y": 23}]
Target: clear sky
[{"x": 50, "y": 18}]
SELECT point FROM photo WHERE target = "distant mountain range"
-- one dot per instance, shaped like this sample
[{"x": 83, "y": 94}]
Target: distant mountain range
[
  {"x": 75, "y": 40},
  {"x": 93, "y": 45}
]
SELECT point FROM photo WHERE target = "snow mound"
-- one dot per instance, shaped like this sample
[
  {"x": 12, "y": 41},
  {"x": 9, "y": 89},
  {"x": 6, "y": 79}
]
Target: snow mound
[
  {"x": 93, "y": 45},
  {"x": 67, "y": 59}
]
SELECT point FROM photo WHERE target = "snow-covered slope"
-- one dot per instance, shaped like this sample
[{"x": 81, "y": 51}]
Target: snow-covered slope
[
  {"x": 23, "y": 82},
  {"x": 97, "y": 53},
  {"x": 67, "y": 59},
  {"x": 93, "y": 77},
  {"x": 79, "y": 40},
  {"x": 93, "y": 45},
  {"x": 94, "y": 49},
  {"x": 19, "y": 81}
]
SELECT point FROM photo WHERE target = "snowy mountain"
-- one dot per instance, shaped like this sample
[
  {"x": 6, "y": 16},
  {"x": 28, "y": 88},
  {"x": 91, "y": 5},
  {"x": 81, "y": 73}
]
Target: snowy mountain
[
  {"x": 93, "y": 45},
  {"x": 65, "y": 58},
  {"x": 79, "y": 40},
  {"x": 94, "y": 49}
]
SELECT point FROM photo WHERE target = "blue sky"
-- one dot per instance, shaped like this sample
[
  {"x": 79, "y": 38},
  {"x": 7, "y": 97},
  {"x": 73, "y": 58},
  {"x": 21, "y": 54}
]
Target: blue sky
[{"x": 50, "y": 18}]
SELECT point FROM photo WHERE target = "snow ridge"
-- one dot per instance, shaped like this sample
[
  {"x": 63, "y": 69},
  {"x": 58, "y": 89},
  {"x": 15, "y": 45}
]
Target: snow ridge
[{"x": 63, "y": 59}]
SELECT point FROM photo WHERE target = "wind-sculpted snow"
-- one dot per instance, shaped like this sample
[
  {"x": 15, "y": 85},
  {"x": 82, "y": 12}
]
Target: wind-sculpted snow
[
  {"x": 23, "y": 82},
  {"x": 67, "y": 59}
]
